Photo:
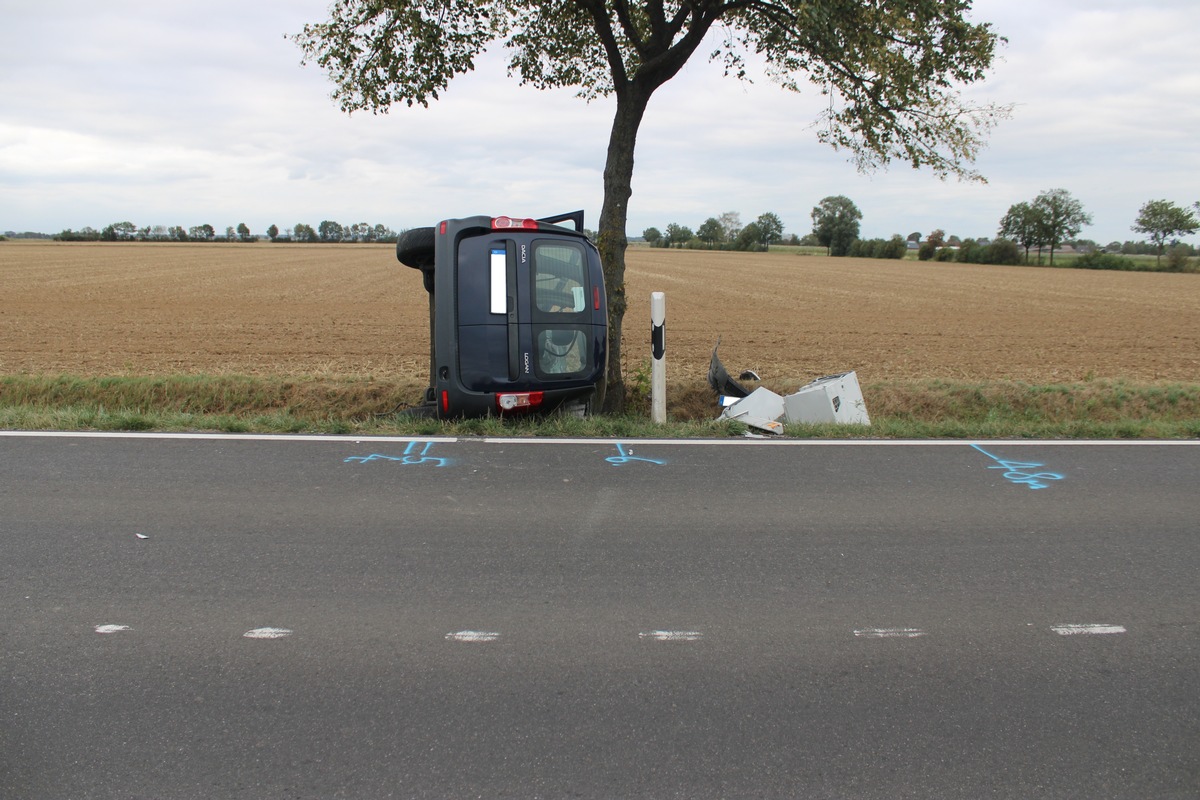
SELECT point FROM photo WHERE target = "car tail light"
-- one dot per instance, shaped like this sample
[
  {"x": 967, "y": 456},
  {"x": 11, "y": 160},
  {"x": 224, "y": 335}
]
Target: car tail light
[
  {"x": 505, "y": 223},
  {"x": 445, "y": 402},
  {"x": 519, "y": 401},
  {"x": 596, "y": 298},
  {"x": 442, "y": 227}
]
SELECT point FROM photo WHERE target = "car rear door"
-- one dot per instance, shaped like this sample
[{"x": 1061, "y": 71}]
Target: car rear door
[{"x": 563, "y": 302}]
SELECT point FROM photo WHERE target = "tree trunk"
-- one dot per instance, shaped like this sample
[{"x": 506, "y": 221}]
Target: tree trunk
[{"x": 612, "y": 240}]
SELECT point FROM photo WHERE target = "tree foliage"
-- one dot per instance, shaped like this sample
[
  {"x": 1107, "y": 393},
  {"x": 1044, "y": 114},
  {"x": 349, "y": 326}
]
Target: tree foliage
[
  {"x": 895, "y": 248},
  {"x": 835, "y": 224},
  {"x": 770, "y": 228},
  {"x": 1053, "y": 218},
  {"x": 892, "y": 72},
  {"x": 1060, "y": 217},
  {"x": 119, "y": 232},
  {"x": 711, "y": 232},
  {"x": 678, "y": 234},
  {"x": 330, "y": 231},
  {"x": 1162, "y": 221},
  {"x": 750, "y": 238},
  {"x": 1021, "y": 224}
]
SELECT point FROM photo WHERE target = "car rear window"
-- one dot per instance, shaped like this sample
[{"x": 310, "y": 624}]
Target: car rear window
[
  {"x": 562, "y": 352},
  {"x": 561, "y": 278}
]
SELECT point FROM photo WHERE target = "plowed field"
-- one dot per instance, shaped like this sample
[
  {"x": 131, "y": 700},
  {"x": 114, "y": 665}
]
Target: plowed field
[{"x": 352, "y": 310}]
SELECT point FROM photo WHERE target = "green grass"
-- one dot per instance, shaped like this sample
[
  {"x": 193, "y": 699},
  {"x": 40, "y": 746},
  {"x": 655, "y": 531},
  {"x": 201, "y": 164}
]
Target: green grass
[{"x": 930, "y": 409}]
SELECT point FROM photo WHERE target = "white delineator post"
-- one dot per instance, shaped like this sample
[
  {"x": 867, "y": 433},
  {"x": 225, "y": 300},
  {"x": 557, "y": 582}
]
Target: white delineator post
[{"x": 658, "y": 361}]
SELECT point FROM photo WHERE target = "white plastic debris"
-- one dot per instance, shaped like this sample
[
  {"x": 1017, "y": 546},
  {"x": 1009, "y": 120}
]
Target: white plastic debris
[
  {"x": 769, "y": 425},
  {"x": 832, "y": 399},
  {"x": 762, "y": 402},
  {"x": 761, "y": 409}
]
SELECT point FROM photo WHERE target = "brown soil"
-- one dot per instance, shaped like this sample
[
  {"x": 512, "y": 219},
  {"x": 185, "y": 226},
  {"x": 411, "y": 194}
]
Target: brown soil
[{"x": 353, "y": 311}]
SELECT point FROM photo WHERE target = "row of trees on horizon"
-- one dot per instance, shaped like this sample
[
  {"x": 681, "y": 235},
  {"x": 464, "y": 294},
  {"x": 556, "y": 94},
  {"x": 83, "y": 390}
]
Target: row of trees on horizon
[
  {"x": 1049, "y": 222},
  {"x": 725, "y": 232},
  {"x": 328, "y": 232}
]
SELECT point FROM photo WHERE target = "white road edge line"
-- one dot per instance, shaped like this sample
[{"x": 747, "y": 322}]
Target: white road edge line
[
  {"x": 858, "y": 442},
  {"x": 244, "y": 437}
]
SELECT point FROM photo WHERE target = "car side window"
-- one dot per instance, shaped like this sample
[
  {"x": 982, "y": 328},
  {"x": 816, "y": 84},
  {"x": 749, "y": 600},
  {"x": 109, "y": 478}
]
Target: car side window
[{"x": 560, "y": 278}]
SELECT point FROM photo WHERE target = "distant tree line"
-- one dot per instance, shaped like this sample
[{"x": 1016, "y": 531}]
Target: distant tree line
[
  {"x": 1053, "y": 218},
  {"x": 725, "y": 232},
  {"x": 1047, "y": 224},
  {"x": 938, "y": 247},
  {"x": 25, "y": 235},
  {"x": 328, "y": 231},
  {"x": 331, "y": 232}
]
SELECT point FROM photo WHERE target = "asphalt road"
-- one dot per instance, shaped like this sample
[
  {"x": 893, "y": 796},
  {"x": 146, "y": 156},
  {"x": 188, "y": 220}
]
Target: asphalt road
[{"x": 236, "y": 618}]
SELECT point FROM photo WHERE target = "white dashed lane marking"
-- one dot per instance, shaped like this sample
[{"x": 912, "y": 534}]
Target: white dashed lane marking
[
  {"x": 671, "y": 636},
  {"x": 1092, "y": 630},
  {"x": 267, "y": 633},
  {"x": 889, "y": 633},
  {"x": 473, "y": 636},
  {"x": 1065, "y": 629}
]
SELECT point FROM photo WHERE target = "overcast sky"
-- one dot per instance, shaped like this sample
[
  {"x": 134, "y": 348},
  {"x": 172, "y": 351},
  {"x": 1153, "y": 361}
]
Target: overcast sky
[{"x": 185, "y": 113}]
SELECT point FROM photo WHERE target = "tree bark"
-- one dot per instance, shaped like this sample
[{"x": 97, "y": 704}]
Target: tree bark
[{"x": 612, "y": 240}]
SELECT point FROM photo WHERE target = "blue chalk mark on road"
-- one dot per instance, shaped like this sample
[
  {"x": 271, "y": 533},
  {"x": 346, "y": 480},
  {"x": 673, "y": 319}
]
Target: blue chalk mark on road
[
  {"x": 625, "y": 458},
  {"x": 415, "y": 453},
  {"x": 1017, "y": 471}
]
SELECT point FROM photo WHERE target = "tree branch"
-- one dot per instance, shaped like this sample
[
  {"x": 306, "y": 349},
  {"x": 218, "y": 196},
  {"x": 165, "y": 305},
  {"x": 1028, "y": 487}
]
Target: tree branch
[
  {"x": 627, "y": 25},
  {"x": 597, "y": 10}
]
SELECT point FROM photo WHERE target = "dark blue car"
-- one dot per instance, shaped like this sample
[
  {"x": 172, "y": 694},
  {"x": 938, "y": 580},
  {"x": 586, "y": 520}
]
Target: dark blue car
[{"x": 517, "y": 314}]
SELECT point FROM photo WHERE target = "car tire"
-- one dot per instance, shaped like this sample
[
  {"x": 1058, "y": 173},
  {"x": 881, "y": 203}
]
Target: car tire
[
  {"x": 582, "y": 407},
  {"x": 414, "y": 248}
]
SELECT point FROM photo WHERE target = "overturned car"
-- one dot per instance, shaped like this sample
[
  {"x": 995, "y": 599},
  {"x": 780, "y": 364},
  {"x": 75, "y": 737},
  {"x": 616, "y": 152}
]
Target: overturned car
[{"x": 518, "y": 320}]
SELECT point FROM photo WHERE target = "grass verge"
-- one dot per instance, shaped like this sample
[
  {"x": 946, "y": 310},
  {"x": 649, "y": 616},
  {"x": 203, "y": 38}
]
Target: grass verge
[{"x": 930, "y": 409}]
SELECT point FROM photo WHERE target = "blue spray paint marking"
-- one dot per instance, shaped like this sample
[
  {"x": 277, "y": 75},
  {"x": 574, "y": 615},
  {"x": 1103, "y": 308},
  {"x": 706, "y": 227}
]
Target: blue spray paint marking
[
  {"x": 1015, "y": 471},
  {"x": 625, "y": 458},
  {"x": 415, "y": 453}
]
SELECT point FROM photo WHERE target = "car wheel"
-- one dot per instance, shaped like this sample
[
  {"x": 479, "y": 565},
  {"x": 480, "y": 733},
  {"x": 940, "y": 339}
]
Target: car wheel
[{"x": 414, "y": 248}]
